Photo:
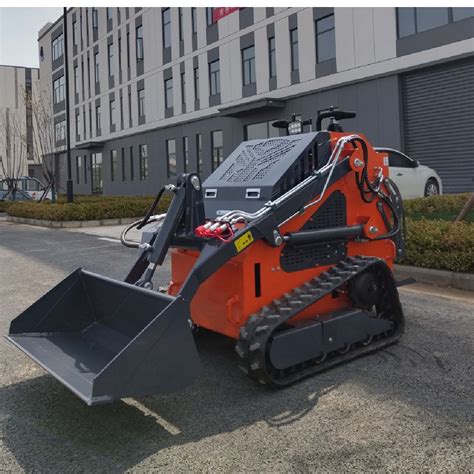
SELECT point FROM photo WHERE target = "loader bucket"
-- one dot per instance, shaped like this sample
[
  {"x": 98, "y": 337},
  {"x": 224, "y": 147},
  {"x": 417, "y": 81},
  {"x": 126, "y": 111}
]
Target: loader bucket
[{"x": 105, "y": 339}]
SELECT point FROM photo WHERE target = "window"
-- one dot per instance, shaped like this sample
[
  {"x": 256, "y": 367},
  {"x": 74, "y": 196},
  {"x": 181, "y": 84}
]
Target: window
[
  {"x": 113, "y": 165},
  {"x": 121, "y": 111},
  {"x": 124, "y": 176},
  {"x": 180, "y": 23},
  {"x": 130, "y": 108},
  {"x": 185, "y": 154},
  {"x": 97, "y": 117},
  {"x": 248, "y": 65},
  {"x": 89, "y": 76},
  {"x": 166, "y": 18},
  {"x": 210, "y": 15},
  {"x": 193, "y": 20},
  {"x": 96, "y": 67},
  {"x": 110, "y": 50},
  {"x": 58, "y": 90},
  {"x": 183, "y": 88},
  {"x": 128, "y": 49},
  {"x": 171, "y": 157},
  {"x": 112, "y": 113},
  {"x": 294, "y": 49},
  {"x": 217, "y": 148},
  {"x": 97, "y": 183},
  {"x": 95, "y": 18},
  {"x": 60, "y": 131},
  {"x": 214, "y": 77},
  {"x": 74, "y": 33},
  {"x": 141, "y": 103},
  {"x": 57, "y": 47},
  {"x": 109, "y": 13},
  {"x": 120, "y": 54},
  {"x": 143, "y": 151},
  {"x": 90, "y": 120},
  {"x": 85, "y": 169},
  {"x": 198, "y": 152},
  {"x": 139, "y": 33},
  {"x": 462, "y": 13},
  {"x": 416, "y": 20},
  {"x": 260, "y": 130},
  {"x": 272, "y": 56},
  {"x": 196, "y": 83},
  {"x": 325, "y": 39},
  {"x": 78, "y": 169},
  {"x": 398, "y": 160},
  {"x": 78, "y": 126},
  {"x": 76, "y": 80},
  {"x": 132, "y": 168},
  {"x": 169, "y": 93}
]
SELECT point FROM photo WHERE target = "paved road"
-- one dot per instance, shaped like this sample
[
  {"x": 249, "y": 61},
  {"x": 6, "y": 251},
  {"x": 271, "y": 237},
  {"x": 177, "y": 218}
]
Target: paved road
[{"x": 409, "y": 407}]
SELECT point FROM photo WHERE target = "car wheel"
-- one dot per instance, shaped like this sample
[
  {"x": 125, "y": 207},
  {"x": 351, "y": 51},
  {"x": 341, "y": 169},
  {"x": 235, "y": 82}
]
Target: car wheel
[{"x": 431, "y": 188}]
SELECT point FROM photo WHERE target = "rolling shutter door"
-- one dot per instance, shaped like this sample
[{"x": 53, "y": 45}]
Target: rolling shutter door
[{"x": 438, "y": 121}]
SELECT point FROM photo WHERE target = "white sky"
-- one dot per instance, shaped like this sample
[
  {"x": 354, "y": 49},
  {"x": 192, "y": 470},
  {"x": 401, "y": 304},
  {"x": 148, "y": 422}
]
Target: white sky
[{"x": 19, "y": 34}]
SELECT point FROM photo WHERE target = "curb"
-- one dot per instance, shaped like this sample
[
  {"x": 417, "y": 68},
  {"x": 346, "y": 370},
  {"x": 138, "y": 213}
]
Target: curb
[
  {"x": 71, "y": 224},
  {"x": 442, "y": 278}
]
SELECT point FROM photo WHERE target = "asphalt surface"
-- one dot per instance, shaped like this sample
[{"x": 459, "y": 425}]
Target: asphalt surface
[{"x": 407, "y": 408}]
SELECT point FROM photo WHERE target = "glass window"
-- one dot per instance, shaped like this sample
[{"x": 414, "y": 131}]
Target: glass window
[
  {"x": 180, "y": 23},
  {"x": 109, "y": 13},
  {"x": 214, "y": 77},
  {"x": 110, "y": 51},
  {"x": 406, "y": 22},
  {"x": 169, "y": 93},
  {"x": 124, "y": 175},
  {"x": 217, "y": 149},
  {"x": 130, "y": 109},
  {"x": 95, "y": 18},
  {"x": 57, "y": 47},
  {"x": 96, "y": 67},
  {"x": 113, "y": 164},
  {"x": 210, "y": 15},
  {"x": 141, "y": 102},
  {"x": 260, "y": 130},
  {"x": 272, "y": 56},
  {"x": 185, "y": 154},
  {"x": 97, "y": 117},
  {"x": 248, "y": 65},
  {"x": 198, "y": 153},
  {"x": 76, "y": 80},
  {"x": 194, "y": 20},
  {"x": 74, "y": 33},
  {"x": 120, "y": 54},
  {"x": 85, "y": 169},
  {"x": 429, "y": 18},
  {"x": 128, "y": 49},
  {"x": 398, "y": 160},
  {"x": 60, "y": 131},
  {"x": 97, "y": 182},
  {"x": 112, "y": 113},
  {"x": 132, "y": 168},
  {"x": 58, "y": 90},
  {"x": 78, "y": 126},
  {"x": 294, "y": 49},
  {"x": 143, "y": 153},
  {"x": 196, "y": 83},
  {"x": 325, "y": 39},
  {"x": 462, "y": 13},
  {"x": 171, "y": 157},
  {"x": 183, "y": 88},
  {"x": 166, "y": 18},
  {"x": 139, "y": 34}
]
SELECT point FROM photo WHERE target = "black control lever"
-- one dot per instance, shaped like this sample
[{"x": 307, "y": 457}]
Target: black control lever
[{"x": 335, "y": 114}]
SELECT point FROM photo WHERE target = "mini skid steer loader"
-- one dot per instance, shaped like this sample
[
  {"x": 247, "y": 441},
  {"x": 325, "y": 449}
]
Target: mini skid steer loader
[{"x": 287, "y": 248}]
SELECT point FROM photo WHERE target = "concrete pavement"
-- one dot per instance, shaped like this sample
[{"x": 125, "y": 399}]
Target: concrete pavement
[{"x": 406, "y": 408}]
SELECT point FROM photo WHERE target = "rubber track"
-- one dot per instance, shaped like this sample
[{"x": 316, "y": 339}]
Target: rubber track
[{"x": 255, "y": 337}]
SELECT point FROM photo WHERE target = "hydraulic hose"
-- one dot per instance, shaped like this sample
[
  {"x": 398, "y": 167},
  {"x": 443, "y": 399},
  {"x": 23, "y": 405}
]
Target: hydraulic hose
[
  {"x": 131, "y": 243},
  {"x": 151, "y": 209}
]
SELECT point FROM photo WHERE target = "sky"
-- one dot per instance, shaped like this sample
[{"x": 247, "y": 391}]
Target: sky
[{"x": 19, "y": 34}]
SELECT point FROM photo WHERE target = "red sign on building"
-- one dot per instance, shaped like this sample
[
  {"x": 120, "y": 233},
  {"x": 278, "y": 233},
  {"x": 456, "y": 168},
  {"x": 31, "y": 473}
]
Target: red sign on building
[{"x": 221, "y": 12}]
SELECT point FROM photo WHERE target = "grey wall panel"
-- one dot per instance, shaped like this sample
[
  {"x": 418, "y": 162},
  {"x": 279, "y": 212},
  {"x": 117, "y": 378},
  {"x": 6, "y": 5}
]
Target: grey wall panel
[{"x": 438, "y": 121}]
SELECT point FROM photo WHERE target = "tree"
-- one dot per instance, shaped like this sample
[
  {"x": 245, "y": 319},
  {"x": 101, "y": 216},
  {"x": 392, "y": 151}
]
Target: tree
[
  {"x": 466, "y": 208},
  {"x": 44, "y": 137},
  {"x": 13, "y": 161}
]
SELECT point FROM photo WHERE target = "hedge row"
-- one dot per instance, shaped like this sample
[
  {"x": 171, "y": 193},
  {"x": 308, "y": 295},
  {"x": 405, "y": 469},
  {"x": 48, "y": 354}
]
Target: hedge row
[
  {"x": 440, "y": 244},
  {"x": 446, "y": 207},
  {"x": 4, "y": 205},
  {"x": 88, "y": 209}
]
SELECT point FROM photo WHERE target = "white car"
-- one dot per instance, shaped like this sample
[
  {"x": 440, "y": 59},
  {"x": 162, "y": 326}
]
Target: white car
[{"x": 412, "y": 178}]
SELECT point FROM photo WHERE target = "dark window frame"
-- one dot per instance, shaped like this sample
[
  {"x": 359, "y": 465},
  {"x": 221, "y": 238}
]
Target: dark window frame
[
  {"x": 171, "y": 156},
  {"x": 249, "y": 75},
  {"x": 166, "y": 27},
  {"x": 143, "y": 155},
  {"x": 214, "y": 77},
  {"x": 320, "y": 32},
  {"x": 168, "y": 89},
  {"x": 294, "y": 53},
  {"x": 217, "y": 159},
  {"x": 272, "y": 57},
  {"x": 141, "y": 102},
  {"x": 139, "y": 43}
]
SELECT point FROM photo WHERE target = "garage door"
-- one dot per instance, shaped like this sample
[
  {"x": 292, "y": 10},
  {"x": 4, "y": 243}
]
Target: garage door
[{"x": 438, "y": 113}]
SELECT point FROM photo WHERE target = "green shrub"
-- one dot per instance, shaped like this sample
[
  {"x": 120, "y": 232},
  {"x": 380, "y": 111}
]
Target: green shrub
[
  {"x": 85, "y": 208},
  {"x": 445, "y": 207},
  {"x": 4, "y": 205},
  {"x": 440, "y": 244}
]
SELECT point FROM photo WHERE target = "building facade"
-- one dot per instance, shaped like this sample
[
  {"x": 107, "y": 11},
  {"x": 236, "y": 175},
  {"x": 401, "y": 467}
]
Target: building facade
[
  {"x": 158, "y": 91},
  {"x": 18, "y": 156}
]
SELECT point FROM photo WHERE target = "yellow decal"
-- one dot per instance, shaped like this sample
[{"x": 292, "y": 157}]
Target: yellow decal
[{"x": 244, "y": 241}]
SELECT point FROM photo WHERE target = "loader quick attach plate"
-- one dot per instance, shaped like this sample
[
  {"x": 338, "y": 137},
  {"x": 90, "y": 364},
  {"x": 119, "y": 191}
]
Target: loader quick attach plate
[{"x": 106, "y": 340}]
